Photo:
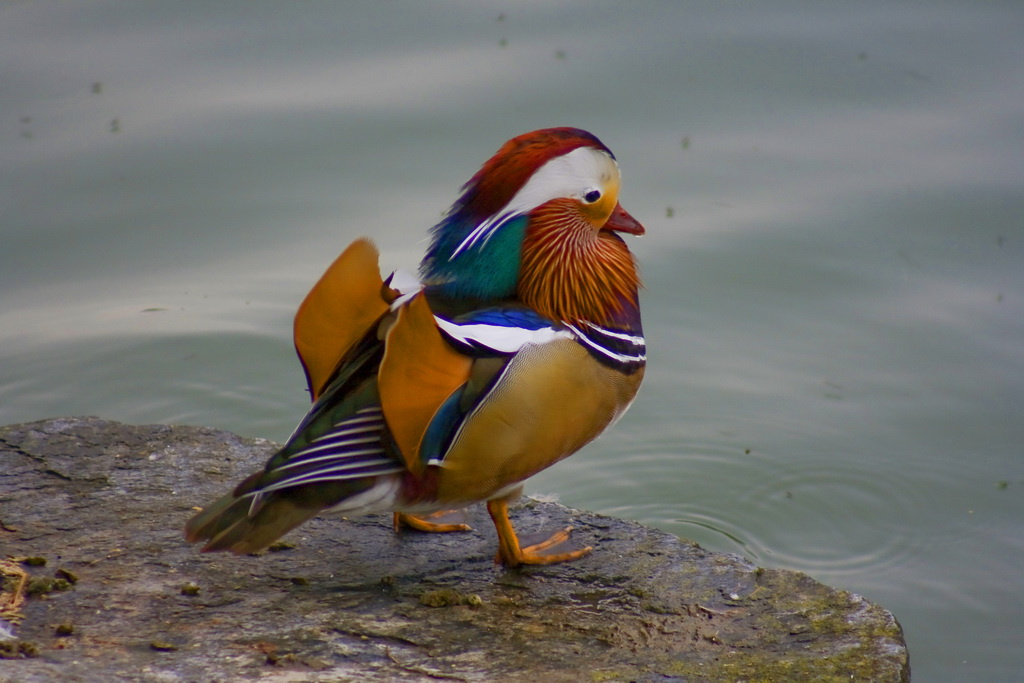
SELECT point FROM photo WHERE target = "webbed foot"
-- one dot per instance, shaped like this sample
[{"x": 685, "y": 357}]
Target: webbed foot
[{"x": 441, "y": 521}]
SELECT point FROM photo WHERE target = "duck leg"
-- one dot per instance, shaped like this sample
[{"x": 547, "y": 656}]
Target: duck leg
[{"x": 545, "y": 552}]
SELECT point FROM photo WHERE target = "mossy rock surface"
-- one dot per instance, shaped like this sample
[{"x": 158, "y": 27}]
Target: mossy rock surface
[{"x": 105, "y": 502}]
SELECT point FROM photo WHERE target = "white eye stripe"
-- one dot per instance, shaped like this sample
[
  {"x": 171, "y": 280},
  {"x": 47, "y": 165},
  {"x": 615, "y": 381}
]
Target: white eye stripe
[{"x": 575, "y": 174}]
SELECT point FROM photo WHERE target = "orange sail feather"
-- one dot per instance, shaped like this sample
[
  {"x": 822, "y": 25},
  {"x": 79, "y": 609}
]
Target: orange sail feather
[
  {"x": 419, "y": 371},
  {"x": 338, "y": 311}
]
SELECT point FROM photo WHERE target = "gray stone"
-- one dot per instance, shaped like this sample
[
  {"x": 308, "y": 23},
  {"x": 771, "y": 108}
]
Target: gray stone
[{"x": 122, "y": 596}]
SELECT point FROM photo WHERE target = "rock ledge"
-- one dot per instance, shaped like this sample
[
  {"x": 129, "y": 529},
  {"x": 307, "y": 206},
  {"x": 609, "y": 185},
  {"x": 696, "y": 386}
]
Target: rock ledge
[{"x": 121, "y": 596}]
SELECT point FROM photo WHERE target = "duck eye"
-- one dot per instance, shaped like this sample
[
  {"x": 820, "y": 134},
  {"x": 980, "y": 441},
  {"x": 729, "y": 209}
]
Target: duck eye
[{"x": 592, "y": 196}]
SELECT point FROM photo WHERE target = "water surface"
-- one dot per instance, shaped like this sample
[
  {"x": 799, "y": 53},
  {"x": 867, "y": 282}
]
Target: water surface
[{"x": 833, "y": 197}]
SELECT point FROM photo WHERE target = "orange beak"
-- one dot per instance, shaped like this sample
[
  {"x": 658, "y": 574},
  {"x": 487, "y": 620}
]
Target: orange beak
[{"x": 620, "y": 221}]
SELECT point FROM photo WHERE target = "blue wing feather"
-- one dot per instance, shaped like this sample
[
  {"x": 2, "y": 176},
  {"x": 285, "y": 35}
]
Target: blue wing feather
[
  {"x": 443, "y": 427},
  {"x": 505, "y": 316}
]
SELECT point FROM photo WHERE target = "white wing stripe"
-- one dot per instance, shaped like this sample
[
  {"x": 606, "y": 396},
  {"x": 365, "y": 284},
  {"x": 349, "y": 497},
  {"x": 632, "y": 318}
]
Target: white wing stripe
[
  {"x": 618, "y": 357},
  {"x": 632, "y": 339},
  {"x": 499, "y": 337},
  {"x": 326, "y": 475},
  {"x": 302, "y": 461},
  {"x": 348, "y": 431},
  {"x": 334, "y": 445}
]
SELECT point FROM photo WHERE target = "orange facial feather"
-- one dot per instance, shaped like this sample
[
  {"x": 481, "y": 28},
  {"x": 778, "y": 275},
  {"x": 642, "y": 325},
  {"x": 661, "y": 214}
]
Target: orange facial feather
[{"x": 571, "y": 271}]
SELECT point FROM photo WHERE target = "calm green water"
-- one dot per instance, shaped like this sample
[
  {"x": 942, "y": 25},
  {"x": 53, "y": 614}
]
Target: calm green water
[{"x": 834, "y": 198}]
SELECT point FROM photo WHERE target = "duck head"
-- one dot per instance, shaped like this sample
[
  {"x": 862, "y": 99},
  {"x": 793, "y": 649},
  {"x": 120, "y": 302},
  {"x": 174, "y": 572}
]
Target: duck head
[{"x": 546, "y": 200}]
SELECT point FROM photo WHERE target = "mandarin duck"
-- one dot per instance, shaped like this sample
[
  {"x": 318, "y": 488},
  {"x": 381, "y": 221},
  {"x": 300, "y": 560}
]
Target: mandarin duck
[{"x": 519, "y": 343}]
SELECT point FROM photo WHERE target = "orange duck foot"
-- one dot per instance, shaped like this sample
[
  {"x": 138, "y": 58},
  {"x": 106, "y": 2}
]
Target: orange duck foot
[
  {"x": 441, "y": 521},
  {"x": 544, "y": 552}
]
